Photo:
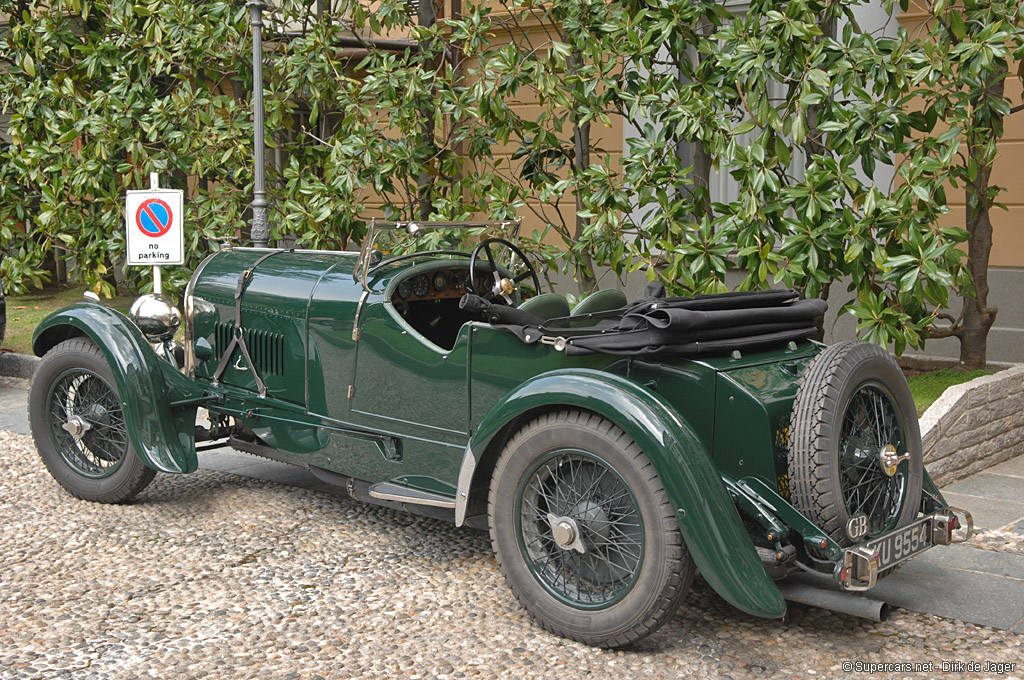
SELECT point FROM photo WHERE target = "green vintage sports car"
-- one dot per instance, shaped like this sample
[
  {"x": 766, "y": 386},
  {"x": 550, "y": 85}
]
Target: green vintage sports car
[{"x": 611, "y": 449}]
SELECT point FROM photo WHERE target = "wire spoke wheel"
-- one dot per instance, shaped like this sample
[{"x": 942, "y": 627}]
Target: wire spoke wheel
[
  {"x": 584, "y": 531},
  {"x": 871, "y": 423},
  {"x": 81, "y": 400},
  {"x": 596, "y": 505},
  {"x": 79, "y": 425}
]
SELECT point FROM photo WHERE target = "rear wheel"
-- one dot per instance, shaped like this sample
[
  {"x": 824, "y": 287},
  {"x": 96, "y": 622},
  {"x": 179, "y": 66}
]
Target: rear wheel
[
  {"x": 855, "y": 454},
  {"x": 584, "y": 531},
  {"x": 79, "y": 427}
]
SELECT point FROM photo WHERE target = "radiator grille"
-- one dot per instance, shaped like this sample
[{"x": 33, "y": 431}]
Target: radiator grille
[{"x": 267, "y": 349}]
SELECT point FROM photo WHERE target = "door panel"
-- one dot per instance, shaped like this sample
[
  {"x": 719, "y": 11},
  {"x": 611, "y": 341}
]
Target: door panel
[{"x": 405, "y": 384}]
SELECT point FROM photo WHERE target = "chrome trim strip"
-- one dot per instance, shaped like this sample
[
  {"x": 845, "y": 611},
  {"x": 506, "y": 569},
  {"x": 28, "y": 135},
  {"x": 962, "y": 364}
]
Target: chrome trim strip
[
  {"x": 190, "y": 357},
  {"x": 466, "y": 471},
  {"x": 392, "y": 492},
  {"x": 359, "y": 313},
  {"x": 316, "y": 251}
]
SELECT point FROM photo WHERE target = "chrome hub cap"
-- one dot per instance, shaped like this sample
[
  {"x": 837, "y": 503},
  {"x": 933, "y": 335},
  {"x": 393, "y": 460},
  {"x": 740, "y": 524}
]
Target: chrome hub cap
[
  {"x": 566, "y": 533},
  {"x": 890, "y": 459},
  {"x": 76, "y": 426}
]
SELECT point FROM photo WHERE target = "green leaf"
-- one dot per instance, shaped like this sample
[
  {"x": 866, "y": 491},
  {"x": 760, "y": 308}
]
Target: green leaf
[
  {"x": 744, "y": 127},
  {"x": 799, "y": 131},
  {"x": 854, "y": 251}
]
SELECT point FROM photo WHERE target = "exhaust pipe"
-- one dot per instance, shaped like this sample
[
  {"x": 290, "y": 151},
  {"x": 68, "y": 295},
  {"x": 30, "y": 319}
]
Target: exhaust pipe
[{"x": 834, "y": 600}]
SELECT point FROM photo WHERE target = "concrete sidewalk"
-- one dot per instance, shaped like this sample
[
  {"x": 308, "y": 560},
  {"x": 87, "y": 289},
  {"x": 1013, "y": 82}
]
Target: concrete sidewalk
[{"x": 980, "y": 582}]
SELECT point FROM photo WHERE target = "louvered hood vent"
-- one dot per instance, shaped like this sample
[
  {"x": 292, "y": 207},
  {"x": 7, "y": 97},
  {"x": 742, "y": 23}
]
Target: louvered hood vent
[{"x": 267, "y": 349}]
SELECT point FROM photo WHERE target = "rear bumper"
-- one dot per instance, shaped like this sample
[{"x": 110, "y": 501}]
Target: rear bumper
[{"x": 860, "y": 565}]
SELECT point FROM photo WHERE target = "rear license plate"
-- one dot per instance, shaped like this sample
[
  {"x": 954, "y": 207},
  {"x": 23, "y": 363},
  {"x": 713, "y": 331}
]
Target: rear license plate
[{"x": 902, "y": 544}]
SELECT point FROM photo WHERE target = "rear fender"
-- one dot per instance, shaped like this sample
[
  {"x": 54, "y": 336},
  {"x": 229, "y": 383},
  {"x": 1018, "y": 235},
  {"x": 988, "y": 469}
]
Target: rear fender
[
  {"x": 159, "y": 402},
  {"x": 709, "y": 520}
]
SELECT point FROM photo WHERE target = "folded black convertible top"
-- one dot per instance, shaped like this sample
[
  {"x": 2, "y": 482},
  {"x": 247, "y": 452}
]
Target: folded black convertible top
[{"x": 678, "y": 326}]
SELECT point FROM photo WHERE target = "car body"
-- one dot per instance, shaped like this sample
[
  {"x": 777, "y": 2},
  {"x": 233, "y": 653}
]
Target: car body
[{"x": 606, "y": 478}]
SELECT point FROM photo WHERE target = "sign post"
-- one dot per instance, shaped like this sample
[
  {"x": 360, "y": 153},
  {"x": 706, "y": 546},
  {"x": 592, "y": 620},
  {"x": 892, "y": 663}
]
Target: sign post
[{"x": 153, "y": 223}]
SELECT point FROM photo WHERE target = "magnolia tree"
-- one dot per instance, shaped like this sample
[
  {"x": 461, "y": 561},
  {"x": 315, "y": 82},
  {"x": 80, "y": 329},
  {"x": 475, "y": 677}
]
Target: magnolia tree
[
  {"x": 799, "y": 113},
  {"x": 791, "y": 100},
  {"x": 99, "y": 95}
]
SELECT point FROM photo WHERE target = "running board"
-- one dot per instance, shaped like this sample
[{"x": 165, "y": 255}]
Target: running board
[
  {"x": 386, "y": 491},
  {"x": 263, "y": 451}
]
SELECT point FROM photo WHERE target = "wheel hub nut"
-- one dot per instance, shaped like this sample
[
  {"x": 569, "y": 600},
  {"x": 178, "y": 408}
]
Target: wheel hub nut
[
  {"x": 566, "y": 533},
  {"x": 76, "y": 426},
  {"x": 890, "y": 459}
]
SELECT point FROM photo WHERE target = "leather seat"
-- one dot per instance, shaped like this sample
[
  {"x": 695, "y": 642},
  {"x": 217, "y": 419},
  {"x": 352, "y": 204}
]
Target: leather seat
[
  {"x": 601, "y": 301},
  {"x": 546, "y": 306}
]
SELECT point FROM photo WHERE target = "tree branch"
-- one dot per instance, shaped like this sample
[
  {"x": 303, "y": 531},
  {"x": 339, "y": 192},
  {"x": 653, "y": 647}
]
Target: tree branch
[{"x": 939, "y": 332}]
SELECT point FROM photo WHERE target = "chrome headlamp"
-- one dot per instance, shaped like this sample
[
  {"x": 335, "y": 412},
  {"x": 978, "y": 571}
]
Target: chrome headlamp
[{"x": 156, "y": 316}]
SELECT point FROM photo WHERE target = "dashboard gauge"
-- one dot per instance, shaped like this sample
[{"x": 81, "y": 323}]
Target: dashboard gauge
[
  {"x": 404, "y": 289},
  {"x": 484, "y": 284},
  {"x": 455, "y": 280},
  {"x": 421, "y": 286},
  {"x": 440, "y": 281}
]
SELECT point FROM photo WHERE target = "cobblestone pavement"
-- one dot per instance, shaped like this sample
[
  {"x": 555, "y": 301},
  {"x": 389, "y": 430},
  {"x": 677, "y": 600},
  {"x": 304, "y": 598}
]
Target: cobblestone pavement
[{"x": 213, "y": 575}]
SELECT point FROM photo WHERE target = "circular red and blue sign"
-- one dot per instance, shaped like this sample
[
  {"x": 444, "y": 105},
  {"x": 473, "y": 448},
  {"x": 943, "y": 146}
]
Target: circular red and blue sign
[{"x": 153, "y": 218}]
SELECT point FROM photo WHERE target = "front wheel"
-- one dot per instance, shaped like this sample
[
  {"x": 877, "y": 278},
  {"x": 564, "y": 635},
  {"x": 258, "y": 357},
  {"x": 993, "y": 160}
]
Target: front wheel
[
  {"x": 79, "y": 428},
  {"x": 584, "y": 531}
]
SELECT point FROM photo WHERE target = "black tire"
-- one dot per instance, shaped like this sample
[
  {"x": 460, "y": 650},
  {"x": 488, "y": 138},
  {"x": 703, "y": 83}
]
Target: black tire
[
  {"x": 635, "y": 569},
  {"x": 852, "y": 403},
  {"x": 74, "y": 381}
]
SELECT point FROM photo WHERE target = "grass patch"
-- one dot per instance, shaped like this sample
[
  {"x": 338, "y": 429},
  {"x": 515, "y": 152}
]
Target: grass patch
[
  {"x": 24, "y": 312},
  {"x": 927, "y": 387}
]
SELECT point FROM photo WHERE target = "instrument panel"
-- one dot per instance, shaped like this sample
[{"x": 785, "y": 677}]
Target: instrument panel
[{"x": 439, "y": 285}]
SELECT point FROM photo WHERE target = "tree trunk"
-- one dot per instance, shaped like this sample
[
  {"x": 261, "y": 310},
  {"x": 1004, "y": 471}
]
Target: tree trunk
[
  {"x": 978, "y": 317},
  {"x": 702, "y": 176},
  {"x": 586, "y": 281}
]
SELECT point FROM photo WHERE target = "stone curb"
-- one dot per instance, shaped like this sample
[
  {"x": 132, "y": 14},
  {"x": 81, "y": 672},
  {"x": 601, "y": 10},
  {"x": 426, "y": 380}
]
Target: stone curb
[
  {"x": 14, "y": 365},
  {"x": 974, "y": 426}
]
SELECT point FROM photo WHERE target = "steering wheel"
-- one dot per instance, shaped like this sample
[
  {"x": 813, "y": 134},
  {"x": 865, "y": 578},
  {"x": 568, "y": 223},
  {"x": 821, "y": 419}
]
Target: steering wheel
[{"x": 503, "y": 287}]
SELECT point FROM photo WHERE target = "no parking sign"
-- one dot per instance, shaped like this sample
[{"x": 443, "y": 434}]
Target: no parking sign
[{"x": 154, "y": 227}]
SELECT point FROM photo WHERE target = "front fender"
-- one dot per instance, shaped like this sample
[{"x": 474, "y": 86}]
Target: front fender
[
  {"x": 707, "y": 517},
  {"x": 161, "y": 427}
]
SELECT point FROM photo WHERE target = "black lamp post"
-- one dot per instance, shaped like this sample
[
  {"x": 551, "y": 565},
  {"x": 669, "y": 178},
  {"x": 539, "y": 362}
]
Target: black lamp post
[{"x": 260, "y": 219}]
